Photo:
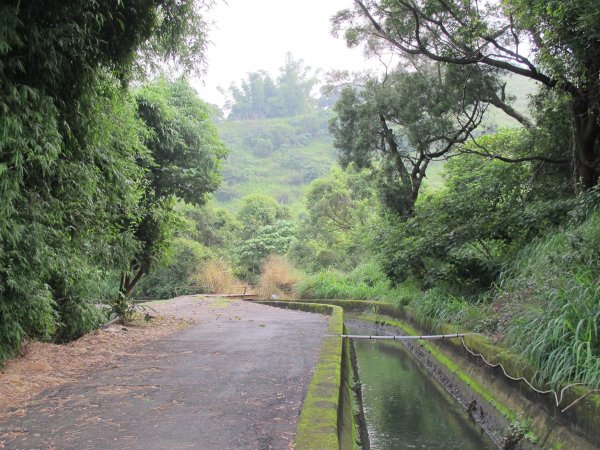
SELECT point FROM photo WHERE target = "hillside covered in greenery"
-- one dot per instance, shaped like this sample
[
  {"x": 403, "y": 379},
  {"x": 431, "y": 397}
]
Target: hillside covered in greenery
[
  {"x": 276, "y": 157},
  {"x": 429, "y": 185},
  {"x": 277, "y": 132}
]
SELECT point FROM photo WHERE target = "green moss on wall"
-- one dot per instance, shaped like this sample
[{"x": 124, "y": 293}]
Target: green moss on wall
[
  {"x": 319, "y": 423},
  {"x": 582, "y": 419}
]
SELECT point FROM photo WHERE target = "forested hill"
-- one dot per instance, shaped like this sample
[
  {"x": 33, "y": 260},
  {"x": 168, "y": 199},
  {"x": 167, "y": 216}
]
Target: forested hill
[
  {"x": 277, "y": 157},
  {"x": 280, "y": 156},
  {"x": 277, "y": 133}
]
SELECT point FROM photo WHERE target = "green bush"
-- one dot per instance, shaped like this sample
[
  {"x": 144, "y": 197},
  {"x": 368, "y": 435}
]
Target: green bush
[
  {"x": 31, "y": 315},
  {"x": 186, "y": 257},
  {"x": 85, "y": 306},
  {"x": 462, "y": 235},
  {"x": 79, "y": 316},
  {"x": 365, "y": 282}
]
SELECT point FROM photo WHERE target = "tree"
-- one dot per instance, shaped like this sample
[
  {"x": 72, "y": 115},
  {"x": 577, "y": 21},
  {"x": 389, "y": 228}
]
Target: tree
[
  {"x": 402, "y": 123},
  {"x": 184, "y": 160},
  {"x": 340, "y": 202},
  {"x": 341, "y": 207},
  {"x": 258, "y": 211},
  {"x": 260, "y": 97},
  {"x": 462, "y": 235},
  {"x": 266, "y": 240},
  {"x": 68, "y": 173},
  {"x": 215, "y": 228},
  {"x": 563, "y": 40}
]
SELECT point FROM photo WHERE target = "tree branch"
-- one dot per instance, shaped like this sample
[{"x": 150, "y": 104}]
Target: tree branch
[{"x": 470, "y": 56}]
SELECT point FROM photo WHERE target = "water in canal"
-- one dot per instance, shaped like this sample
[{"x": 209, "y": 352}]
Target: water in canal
[{"x": 404, "y": 408}]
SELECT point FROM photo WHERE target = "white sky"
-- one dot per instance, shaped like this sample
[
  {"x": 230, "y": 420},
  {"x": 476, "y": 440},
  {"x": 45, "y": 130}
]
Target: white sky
[{"x": 249, "y": 35}]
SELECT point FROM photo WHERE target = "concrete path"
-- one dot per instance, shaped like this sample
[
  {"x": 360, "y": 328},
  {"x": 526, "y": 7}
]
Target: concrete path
[{"x": 235, "y": 381}]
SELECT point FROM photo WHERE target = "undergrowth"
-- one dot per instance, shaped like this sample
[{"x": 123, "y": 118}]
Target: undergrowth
[
  {"x": 546, "y": 305},
  {"x": 549, "y": 299},
  {"x": 278, "y": 278},
  {"x": 365, "y": 282},
  {"x": 216, "y": 277}
]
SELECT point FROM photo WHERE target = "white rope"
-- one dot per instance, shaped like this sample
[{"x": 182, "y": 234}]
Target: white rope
[
  {"x": 406, "y": 338},
  {"x": 558, "y": 399}
]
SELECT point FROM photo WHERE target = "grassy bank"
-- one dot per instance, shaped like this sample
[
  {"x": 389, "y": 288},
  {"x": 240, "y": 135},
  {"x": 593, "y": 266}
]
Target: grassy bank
[
  {"x": 365, "y": 282},
  {"x": 544, "y": 308}
]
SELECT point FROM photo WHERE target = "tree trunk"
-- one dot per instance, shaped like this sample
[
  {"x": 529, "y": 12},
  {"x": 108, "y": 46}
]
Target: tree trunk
[
  {"x": 587, "y": 133},
  {"x": 128, "y": 284}
]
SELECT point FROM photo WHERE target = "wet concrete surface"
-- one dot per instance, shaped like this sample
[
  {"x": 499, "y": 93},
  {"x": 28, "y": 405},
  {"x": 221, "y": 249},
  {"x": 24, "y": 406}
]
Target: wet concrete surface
[{"x": 236, "y": 381}]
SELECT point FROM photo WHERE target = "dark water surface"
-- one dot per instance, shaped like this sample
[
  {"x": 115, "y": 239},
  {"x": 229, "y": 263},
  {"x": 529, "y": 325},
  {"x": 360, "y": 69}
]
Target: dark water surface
[{"x": 404, "y": 408}]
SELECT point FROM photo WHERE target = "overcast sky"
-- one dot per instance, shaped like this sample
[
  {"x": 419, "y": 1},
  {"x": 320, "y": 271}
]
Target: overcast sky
[{"x": 249, "y": 35}]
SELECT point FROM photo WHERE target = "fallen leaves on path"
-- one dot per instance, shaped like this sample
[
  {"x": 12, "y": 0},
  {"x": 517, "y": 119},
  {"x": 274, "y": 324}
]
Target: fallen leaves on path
[{"x": 44, "y": 365}]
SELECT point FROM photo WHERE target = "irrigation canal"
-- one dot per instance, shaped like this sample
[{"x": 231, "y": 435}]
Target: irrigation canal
[{"x": 404, "y": 408}]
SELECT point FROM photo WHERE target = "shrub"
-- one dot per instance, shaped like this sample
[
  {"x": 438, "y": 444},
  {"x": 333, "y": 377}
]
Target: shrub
[
  {"x": 365, "y": 282},
  {"x": 79, "y": 316},
  {"x": 548, "y": 302},
  {"x": 278, "y": 277},
  {"x": 440, "y": 306},
  {"x": 31, "y": 316},
  {"x": 216, "y": 277},
  {"x": 183, "y": 262}
]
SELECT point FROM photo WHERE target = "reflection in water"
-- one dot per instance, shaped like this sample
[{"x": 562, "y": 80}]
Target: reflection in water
[{"x": 404, "y": 408}]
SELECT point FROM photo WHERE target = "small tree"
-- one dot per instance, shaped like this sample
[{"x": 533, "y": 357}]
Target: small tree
[{"x": 185, "y": 158}]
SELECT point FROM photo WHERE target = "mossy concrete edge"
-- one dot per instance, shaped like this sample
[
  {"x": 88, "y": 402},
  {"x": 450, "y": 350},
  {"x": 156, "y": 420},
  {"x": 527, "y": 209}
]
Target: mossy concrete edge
[
  {"x": 583, "y": 420},
  {"x": 319, "y": 423}
]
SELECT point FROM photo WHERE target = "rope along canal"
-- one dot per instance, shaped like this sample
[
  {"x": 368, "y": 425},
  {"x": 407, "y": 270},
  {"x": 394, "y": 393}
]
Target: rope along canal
[{"x": 558, "y": 399}]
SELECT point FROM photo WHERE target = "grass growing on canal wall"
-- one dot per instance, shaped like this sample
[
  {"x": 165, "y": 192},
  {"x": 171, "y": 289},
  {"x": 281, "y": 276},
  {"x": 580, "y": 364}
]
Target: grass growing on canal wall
[{"x": 583, "y": 419}]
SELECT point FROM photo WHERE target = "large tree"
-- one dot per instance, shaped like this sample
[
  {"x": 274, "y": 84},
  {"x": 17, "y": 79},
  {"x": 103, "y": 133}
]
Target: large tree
[
  {"x": 554, "y": 43},
  {"x": 402, "y": 123},
  {"x": 184, "y": 163},
  {"x": 68, "y": 146}
]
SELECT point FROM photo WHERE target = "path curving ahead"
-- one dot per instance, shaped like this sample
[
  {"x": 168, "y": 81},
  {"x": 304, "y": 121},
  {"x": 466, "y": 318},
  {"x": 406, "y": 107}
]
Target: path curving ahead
[{"x": 235, "y": 380}]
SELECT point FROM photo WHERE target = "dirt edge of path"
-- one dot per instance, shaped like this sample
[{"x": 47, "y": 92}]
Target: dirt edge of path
[{"x": 43, "y": 365}]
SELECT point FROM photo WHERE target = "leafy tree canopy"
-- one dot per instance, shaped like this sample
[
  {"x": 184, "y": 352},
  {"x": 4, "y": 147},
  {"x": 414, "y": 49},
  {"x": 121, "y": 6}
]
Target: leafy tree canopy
[
  {"x": 462, "y": 235},
  {"x": 259, "y": 210},
  {"x": 259, "y": 96},
  {"x": 184, "y": 160},
  {"x": 552, "y": 42},
  {"x": 401, "y": 123}
]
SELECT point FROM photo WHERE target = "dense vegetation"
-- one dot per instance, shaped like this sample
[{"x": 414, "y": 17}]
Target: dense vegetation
[
  {"x": 80, "y": 197},
  {"x": 433, "y": 205},
  {"x": 274, "y": 157},
  {"x": 278, "y": 134}
]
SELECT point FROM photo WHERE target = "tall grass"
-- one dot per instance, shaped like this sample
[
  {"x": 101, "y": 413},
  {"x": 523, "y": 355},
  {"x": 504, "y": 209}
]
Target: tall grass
[
  {"x": 365, "y": 282},
  {"x": 549, "y": 301},
  {"x": 216, "y": 277},
  {"x": 278, "y": 277},
  {"x": 440, "y": 307}
]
